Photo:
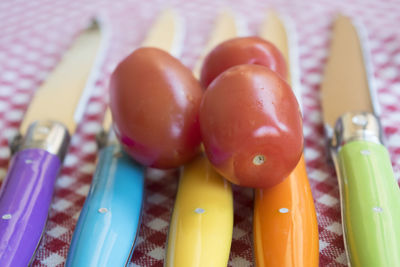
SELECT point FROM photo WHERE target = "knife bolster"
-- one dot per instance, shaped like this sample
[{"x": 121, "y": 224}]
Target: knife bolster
[
  {"x": 106, "y": 138},
  {"x": 356, "y": 126},
  {"x": 47, "y": 135}
]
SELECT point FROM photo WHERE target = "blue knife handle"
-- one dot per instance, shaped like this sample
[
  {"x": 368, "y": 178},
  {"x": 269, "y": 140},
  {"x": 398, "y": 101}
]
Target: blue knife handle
[{"x": 109, "y": 221}]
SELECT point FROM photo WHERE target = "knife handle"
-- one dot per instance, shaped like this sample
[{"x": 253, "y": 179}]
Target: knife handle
[
  {"x": 26, "y": 194},
  {"x": 109, "y": 221},
  {"x": 25, "y": 198},
  {"x": 370, "y": 195},
  {"x": 285, "y": 223},
  {"x": 200, "y": 232},
  {"x": 370, "y": 200}
]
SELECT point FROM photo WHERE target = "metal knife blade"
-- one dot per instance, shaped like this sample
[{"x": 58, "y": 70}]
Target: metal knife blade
[
  {"x": 169, "y": 40},
  {"x": 345, "y": 85},
  {"x": 55, "y": 99},
  {"x": 167, "y": 34},
  {"x": 225, "y": 29},
  {"x": 201, "y": 226},
  {"x": 109, "y": 221},
  {"x": 285, "y": 222},
  {"x": 27, "y": 190},
  {"x": 369, "y": 193},
  {"x": 274, "y": 30}
]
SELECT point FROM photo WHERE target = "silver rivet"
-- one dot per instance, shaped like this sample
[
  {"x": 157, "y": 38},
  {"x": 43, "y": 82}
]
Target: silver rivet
[
  {"x": 377, "y": 209},
  {"x": 360, "y": 120},
  {"x": 28, "y": 161},
  {"x": 103, "y": 210},
  {"x": 283, "y": 210},
  {"x": 258, "y": 160},
  {"x": 6, "y": 217},
  {"x": 199, "y": 210},
  {"x": 365, "y": 152}
]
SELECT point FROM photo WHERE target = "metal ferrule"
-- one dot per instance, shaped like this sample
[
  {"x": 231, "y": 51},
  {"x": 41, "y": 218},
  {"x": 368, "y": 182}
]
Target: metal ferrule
[
  {"x": 48, "y": 135},
  {"x": 356, "y": 126},
  {"x": 106, "y": 138},
  {"x": 112, "y": 137}
]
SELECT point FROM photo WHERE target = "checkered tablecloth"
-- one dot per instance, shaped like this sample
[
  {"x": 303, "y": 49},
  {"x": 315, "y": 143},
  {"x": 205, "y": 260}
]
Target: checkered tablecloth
[{"x": 34, "y": 35}]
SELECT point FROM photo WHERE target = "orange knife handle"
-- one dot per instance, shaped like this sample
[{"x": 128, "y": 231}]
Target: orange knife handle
[{"x": 285, "y": 223}]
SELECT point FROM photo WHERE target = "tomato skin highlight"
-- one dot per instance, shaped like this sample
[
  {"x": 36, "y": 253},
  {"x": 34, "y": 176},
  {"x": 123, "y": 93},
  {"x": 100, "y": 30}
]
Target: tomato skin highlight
[
  {"x": 251, "y": 126},
  {"x": 238, "y": 51},
  {"x": 155, "y": 101}
]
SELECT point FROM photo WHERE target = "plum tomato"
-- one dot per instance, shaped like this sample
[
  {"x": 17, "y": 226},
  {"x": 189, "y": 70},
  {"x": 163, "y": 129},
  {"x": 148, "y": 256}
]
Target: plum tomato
[
  {"x": 154, "y": 102},
  {"x": 241, "y": 50},
  {"x": 251, "y": 126}
]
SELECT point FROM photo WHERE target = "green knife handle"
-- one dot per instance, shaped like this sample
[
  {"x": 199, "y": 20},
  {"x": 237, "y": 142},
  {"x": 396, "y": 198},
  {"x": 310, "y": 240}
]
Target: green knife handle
[{"x": 370, "y": 200}]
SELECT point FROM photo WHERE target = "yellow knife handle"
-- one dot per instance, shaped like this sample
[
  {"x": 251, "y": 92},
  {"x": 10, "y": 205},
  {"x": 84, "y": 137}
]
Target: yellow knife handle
[
  {"x": 201, "y": 227},
  {"x": 285, "y": 223}
]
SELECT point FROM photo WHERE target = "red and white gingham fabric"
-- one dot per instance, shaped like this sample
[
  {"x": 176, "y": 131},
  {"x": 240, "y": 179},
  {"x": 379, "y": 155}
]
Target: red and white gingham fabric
[{"x": 34, "y": 35}]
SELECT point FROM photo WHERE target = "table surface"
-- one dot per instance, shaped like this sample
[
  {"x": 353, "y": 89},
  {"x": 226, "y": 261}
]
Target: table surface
[{"x": 34, "y": 35}]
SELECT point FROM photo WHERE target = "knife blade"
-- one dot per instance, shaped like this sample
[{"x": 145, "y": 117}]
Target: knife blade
[
  {"x": 225, "y": 29},
  {"x": 109, "y": 221},
  {"x": 201, "y": 226},
  {"x": 55, "y": 94},
  {"x": 369, "y": 194},
  {"x": 285, "y": 223},
  {"x": 27, "y": 190}
]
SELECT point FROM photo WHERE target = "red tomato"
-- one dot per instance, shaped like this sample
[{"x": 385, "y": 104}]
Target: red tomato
[
  {"x": 242, "y": 50},
  {"x": 251, "y": 126},
  {"x": 155, "y": 102}
]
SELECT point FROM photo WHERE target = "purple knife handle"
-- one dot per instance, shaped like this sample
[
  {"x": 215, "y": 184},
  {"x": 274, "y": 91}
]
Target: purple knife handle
[{"x": 25, "y": 199}]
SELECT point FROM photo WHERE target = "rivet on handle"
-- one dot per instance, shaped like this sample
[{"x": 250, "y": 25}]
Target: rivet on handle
[{"x": 6, "y": 216}]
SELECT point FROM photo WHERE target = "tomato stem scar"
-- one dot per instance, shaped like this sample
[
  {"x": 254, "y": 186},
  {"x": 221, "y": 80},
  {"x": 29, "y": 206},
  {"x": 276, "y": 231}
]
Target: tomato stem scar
[{"x": 259, "y": 159}]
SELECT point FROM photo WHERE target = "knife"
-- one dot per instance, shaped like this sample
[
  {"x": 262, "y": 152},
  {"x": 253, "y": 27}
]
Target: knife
[
  {"x": 27, "y": 190},
  {"x": 110, "y": 218},
  {"x": 369, "y": 194},
  {"x": 285, "y": 223},
  {"x": 109, "y": 221},
  {"x": 201, "y": 226}
]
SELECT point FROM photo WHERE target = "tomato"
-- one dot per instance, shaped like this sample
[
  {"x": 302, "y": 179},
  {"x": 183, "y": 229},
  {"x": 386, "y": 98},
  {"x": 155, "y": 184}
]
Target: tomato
[
  {"x": 155, "y": 101},
  {"x": 242, "y": 50},
  {"x": 251, "y": 126}
]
